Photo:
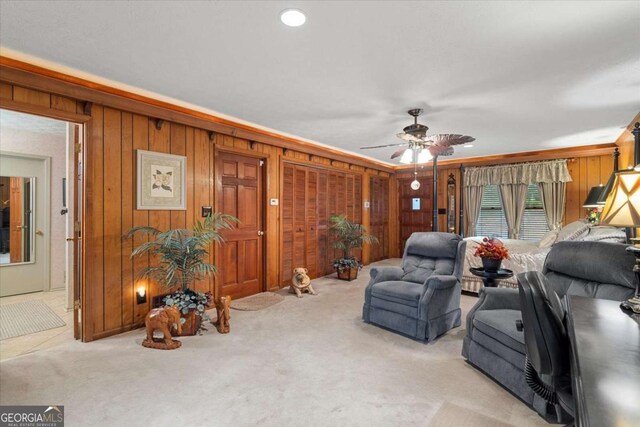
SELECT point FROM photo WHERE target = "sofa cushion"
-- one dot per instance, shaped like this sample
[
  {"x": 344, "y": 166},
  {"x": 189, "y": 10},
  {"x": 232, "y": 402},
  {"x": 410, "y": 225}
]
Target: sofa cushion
[
  {"x": 572, "y": 265},
  {"x": 501, "y": 326},
  {"x": 418, "y": 269},
  {"x": 397, "y": 291},
  {"x": 433, "y": 245}
]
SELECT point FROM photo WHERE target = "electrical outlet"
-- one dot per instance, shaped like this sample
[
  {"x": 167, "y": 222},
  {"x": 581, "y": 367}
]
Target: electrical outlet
[
  {"x": 206, "y": 211},
  {"x": 274, "y": 202}
]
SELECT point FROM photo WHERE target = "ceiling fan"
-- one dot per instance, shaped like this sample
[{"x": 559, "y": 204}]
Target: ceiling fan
[{"x": 418, "y": 147}]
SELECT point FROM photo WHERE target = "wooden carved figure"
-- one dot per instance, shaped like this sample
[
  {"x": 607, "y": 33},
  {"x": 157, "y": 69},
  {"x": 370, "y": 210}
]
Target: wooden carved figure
[
  {"x": 222, "y": 308},
  {"x": 162, "y": 319}
]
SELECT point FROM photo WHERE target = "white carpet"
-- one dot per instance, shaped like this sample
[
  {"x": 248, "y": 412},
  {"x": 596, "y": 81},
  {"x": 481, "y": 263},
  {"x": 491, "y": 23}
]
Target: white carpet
[
  {"x": 309, "y": 361},
  {"x": 22, "y": 318}
]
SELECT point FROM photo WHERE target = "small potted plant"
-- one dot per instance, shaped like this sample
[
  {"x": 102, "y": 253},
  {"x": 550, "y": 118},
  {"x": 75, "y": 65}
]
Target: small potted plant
[
  {"x": 593, "y": 215},
  {"x": 348, "y": 235},
  {"x": 181, "y": 255},
  {"x": 492, "y": 251}
]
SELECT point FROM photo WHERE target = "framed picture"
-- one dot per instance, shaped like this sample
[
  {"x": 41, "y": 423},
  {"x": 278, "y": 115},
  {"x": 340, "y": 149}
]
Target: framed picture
[{"x": 161, "y": 183}]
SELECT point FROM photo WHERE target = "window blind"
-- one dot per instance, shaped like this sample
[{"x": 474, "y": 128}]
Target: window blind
[{"x": 492, "y": 222}]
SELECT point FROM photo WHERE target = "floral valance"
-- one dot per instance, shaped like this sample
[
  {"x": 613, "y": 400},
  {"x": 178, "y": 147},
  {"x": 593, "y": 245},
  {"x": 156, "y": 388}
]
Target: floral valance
[{"x": 518, "y": 173}]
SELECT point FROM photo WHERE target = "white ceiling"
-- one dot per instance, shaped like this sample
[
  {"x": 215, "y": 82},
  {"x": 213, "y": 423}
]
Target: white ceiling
[{"x": 517, "y": 76}]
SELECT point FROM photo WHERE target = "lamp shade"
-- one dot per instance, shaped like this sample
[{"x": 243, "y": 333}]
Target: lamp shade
[
  {"x": 593, "y": 196},
  {"x": 622, "y": 208}
]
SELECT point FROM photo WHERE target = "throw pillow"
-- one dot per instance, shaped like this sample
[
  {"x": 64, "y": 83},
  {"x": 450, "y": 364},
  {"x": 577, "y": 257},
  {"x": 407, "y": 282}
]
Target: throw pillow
[
  {"x": 574, "y": 231},
  {"x": 548, "y": 239}
]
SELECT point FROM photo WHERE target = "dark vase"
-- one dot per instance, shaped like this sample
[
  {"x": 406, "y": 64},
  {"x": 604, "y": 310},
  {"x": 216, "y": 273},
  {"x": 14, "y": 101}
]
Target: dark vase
[{"x": 491, "y": 265}]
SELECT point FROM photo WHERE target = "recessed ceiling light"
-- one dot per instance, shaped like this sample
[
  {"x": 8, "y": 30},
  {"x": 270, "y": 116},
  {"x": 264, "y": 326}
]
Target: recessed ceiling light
[
  {"x": 293, "y": 17},
  {"x": 468, "y": 145}
]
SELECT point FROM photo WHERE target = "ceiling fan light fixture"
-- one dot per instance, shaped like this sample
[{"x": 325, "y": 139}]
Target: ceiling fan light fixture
[
  {"x": 407, "y": 156},
  {"x": 468, "y": 145},
  {"x": 424, "y": 156},
  {"x": 293, "y": 17},
  {"x": 415, "y": 184}
]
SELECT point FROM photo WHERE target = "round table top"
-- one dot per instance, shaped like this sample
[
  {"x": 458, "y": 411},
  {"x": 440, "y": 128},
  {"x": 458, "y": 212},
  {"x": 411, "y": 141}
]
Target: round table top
[{"x": 502, "y": 273}]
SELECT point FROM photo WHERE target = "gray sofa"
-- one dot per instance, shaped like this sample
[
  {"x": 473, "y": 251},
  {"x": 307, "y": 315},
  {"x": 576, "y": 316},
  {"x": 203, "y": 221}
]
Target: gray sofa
[
  {"x": 495, "y": 346},
  {"x": 420, "y": 299}
]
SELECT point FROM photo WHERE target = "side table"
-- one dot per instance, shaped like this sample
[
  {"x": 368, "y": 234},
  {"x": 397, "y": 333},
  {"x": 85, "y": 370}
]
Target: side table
[{"x": 490, "y": 278}]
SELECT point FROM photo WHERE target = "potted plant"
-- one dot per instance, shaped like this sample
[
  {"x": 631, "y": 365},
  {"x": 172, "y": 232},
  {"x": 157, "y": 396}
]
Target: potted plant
[
  {"x": 492, "y": 251},
  {"x": 181, "y": 257},
  {"x": 348, "y": 235}
]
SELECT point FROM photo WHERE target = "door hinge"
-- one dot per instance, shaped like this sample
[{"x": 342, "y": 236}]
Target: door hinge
[
  {"x": 78, "y": 148},
  {"x": 261, "y": 162},
  {"x": 77, "y": 305}
]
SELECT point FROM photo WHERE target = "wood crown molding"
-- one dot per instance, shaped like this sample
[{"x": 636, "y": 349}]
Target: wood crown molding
[
  {"x": 45, "y": 79},
  {"x": 527, "y": 156}
]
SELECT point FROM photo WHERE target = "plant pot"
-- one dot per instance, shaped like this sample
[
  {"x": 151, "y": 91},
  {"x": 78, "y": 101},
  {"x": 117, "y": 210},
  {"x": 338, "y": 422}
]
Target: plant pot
[
  {"x": 491, "y": 265},
  {"x": 348, "y": 273},
  {"x": 190, "y": 326}
]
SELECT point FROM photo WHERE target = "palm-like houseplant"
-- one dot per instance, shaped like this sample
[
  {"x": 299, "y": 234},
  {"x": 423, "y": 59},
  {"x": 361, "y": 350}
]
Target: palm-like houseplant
[
  {"x": 181, "y": 255},
  {"x": 348, "y": 236}
]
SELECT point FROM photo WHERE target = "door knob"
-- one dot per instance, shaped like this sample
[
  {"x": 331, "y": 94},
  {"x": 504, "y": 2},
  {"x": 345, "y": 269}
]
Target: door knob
[
  {"x": 39, "y": 233},
  {"x": 260, "y": 233}
]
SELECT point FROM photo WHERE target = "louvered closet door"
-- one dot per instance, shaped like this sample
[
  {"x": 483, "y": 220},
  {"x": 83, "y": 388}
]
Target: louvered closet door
[
  {"x": 324, "y": 263},
  {"x": 299, "y": 222},
  {"x": 379, "y": 217},
  {"x": 288, "y": 172},
  {"x": 312, "y": 223}
]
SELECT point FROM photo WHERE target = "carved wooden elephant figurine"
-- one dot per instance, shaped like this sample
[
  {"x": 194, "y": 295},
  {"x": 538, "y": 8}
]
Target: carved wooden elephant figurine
[
  {"x": 163, "y": 319},
  {"x": 222, "y": 308}
]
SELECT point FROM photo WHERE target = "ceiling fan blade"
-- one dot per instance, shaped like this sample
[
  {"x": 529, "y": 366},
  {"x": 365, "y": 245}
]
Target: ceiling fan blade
[
  {"x": 408, "y": 137},
  {"x": 447, "y": 139},
  {"x": 440, "y": 150},
  {"x": 383, "y": 146},
  {"x": 398, "y": 153}
]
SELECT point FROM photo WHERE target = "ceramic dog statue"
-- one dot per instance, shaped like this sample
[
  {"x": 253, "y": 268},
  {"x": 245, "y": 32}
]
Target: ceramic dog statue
[
  {"x": 301, "y": 282},
  {"x": 162, "y": 319}
]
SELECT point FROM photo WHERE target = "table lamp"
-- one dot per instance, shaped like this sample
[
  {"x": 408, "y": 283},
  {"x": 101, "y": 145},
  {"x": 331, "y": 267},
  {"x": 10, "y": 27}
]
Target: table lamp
[{"x": 622, "y": 209}]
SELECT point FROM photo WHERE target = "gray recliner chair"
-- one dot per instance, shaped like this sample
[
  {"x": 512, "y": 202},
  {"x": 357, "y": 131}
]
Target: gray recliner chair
[
  {"x": 493, "y": 342},
  {"x": 420, "y": 299}
]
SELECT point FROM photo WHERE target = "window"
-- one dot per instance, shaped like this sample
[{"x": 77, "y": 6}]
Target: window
[
  {"x": 534, "y": 223},
  {"x": 492, "y": 222}
]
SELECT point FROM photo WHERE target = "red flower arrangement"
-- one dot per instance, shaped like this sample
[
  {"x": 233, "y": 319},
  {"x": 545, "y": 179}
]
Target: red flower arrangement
[{"x": 492, "y": 248}]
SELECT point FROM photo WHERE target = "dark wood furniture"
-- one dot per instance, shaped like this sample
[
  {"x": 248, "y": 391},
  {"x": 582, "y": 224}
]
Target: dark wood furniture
[
  {"x": 490, "y": 278},
  {"x": 605, "y": 362}
]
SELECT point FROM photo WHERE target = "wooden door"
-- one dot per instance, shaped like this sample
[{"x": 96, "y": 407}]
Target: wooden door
[
  {"x": 379, "y": 217},
  {"x": 414, "y": 220},
  {"x": 311, "y": 252},
  {"x": 324, "y": 263},
  {"x": 16, "y": 228},
  {"x": 240, "y": 193}
]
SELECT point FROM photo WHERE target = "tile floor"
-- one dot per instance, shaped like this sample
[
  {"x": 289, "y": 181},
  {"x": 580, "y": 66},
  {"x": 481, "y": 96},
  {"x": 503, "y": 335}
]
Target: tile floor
[{"x": 24, "y": 344}]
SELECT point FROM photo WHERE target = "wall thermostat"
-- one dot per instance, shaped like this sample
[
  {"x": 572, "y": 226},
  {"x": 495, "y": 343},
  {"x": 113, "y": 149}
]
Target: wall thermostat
[{"x": 274, "y": 202}]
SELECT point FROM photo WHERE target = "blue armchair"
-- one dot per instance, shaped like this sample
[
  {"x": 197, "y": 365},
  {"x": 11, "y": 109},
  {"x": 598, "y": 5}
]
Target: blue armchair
[{"x": 421, "y": 298}]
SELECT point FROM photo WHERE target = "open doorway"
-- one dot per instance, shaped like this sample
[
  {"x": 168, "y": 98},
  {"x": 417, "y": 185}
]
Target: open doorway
[{"x": 39, "y": 231}]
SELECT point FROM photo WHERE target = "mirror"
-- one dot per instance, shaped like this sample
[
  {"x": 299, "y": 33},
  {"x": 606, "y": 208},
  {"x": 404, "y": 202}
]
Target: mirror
[
  {"x": 16, "y": 223},
  {"x": 451, "y": 204}
]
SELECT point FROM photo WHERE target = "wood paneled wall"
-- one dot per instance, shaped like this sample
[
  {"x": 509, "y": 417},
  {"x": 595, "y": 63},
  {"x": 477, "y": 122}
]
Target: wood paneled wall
[{"x": 112, "y": 137}]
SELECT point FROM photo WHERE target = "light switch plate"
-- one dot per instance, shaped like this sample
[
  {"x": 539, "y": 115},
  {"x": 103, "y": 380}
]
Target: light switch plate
[
  {"x": 274, "y": 202},
  {"x": 367, "y": 205}
]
